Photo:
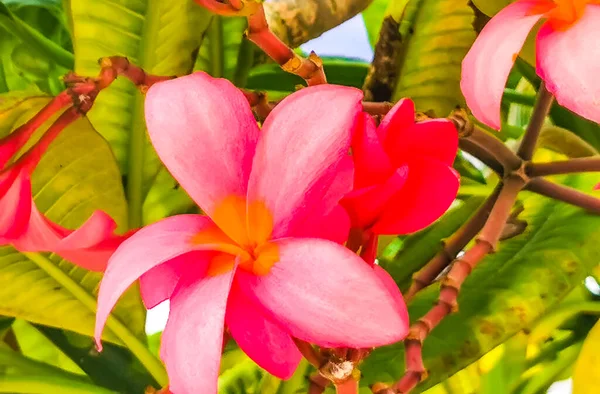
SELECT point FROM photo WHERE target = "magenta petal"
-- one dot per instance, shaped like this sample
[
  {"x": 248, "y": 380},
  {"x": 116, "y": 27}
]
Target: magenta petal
[
  {"x": 323, "y": 293},
  {"x": 204, "y": 131},
  {"x": 262, "y": 340},
  {"x": 192, "y": 340},
  {"x": 372, "y": 163},
  {"x": 158, "y": 284},
  {"x": 568, "y": 62},
  {"x": 148, "y": 248},
  {"x": 400, "y": 117},
  {"x": 429, "y": 191},
  {"x": 486, "y": 67},
  {"x": 436, "y": 138},
  {"x": 365, "y": 205},
  {"x": 15, "y": 203},
  {"x": 303, "y": 145}
]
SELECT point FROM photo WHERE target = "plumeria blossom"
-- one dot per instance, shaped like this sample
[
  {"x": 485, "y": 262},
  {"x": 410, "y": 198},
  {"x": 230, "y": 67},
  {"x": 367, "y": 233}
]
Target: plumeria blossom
[
  {"x": 567, "y": 53},
  {"x": 404, "y": 178},
  {"x": 258, "y": 262},
  {"x": 25, "y": 228}
]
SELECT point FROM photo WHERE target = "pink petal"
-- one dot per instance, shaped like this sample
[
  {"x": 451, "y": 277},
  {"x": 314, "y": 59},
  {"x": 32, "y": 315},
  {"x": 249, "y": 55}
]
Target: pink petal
[
  {"x": 323, "y": 293},
  {"x": 400, "y": 117},
  {"x": 429, "y": 191},
  {"x": 372, "y": 162},
  {"x": 90, "y": 246},
  {"x": 204, "y": 131},
  {"x": 303, "y": 144},
  {"x": 486, "y": 67},
  {"x": 568, "y": 62},
  {"x": 365, "y": 205},
  {"x": 262, "y": 340},
  {"x": 192, "y": 341},
  {"x": 333, "y": 225},
  {"x": 158, "y": 284},
  {"x": 15, "y": 203},
  {"x": 148, "y": 248},
  {"x": 436, "y": 138},
  {"x": 389, "y": 283}
]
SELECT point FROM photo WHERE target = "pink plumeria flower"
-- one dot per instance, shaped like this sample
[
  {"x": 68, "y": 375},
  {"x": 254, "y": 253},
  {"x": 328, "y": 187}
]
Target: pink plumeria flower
[
  {"x": 567, "y": 53},
  {"x": 27, "y": 230},
  {"x": 404, "y": 179},
  {"x": 255, "y": 263}
]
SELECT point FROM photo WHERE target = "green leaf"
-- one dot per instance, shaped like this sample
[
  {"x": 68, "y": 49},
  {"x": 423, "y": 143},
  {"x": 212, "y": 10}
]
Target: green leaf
[
  {"x": 77, "y": 176},
  {"x": 166, "y": 198},
  {"x": 586, "y": 375},
  {"x": 161, "y": 37},
  {"x": 37, "y": 347},
  {"x": 508, "y": 291},
  {"x": 45, "y": 384},
  {"x": 565, "y": 142},
  {"x": 419, "y": 248},
  {"x": 373, "y": 18},
  {"x": 36, "y": 40},
  {"x": 491, "y": 7},
  {"x": 440, "y": 34},
  {"x": 114, "y": 368},
  {"x": 225, "y": 53}
]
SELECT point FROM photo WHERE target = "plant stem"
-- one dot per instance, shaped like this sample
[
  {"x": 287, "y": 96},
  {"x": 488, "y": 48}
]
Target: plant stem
[
  {"x": 48, "y": 385},
  {"x": 152, "y": 364},
  {"x": 482, "y": 154},
  {"x": 564, "y": 194},
  {"x": 317, "y": 384},
  {"x": 451, "y": 247},
  {"x": 540, "y": 111},
  {"x": 350, "y": 386},
  {"x": 582, "y": 164},
  {"x": 309, "y": 352},
  {"x": 485, "y": 243},
  {"x": 215, "y": 32},
  {"x": 478, "y": 142}
]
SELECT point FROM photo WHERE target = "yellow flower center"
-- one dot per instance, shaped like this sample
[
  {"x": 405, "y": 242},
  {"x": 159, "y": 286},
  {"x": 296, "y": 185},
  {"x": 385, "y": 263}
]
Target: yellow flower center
[
  {"x": 246, "y": 231},
  {"x": 562, "y": 14}
]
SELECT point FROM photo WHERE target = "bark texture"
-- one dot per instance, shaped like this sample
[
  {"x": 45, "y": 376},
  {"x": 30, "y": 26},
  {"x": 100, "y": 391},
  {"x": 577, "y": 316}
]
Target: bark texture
[{"x": 298, "y": 21}]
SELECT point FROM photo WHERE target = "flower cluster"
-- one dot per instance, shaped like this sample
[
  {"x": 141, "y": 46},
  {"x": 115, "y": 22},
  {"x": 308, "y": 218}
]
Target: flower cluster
[{"x": 265, "y": 261}]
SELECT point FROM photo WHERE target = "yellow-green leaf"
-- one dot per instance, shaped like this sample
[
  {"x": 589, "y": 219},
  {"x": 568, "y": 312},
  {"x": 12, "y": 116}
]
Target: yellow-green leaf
[
  {"x": 77, "y": 176},
  {"x": 586, "y": 376}
]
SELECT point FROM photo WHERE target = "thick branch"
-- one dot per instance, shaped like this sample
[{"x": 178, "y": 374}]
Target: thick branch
[
  {"x": 298, "y": 21},
  {"x": 462, "y": 267},
  {"x": 583, "y": 164},
  {"x": 540, "y": 111},
  {"x": 311, "y": 69},
  {"x": 482, "y": 154},
  {"x": 318, "y": 384},
  {"x": 565, "y": 194},
  {"x": 478, "y": 137},
  {"x": 451, "y": 247},
  {"x": 311, "y": 354},
  {"x": 350, "y": 386}
]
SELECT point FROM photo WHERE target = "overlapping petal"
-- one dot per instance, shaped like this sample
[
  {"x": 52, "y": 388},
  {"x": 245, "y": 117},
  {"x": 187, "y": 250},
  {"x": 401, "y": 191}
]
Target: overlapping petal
[
  {"x": 372, "y": 162},
  {"x": 302, "y": 147},
  {"x": 192, "y": 340},
  {"x": 486, "y": 67},
  {"x": 400, "y": 117},
  {"x": 15, "y": 204},
  {"x": 204, "y": 131},
  {"x": 567, "y": 61},
  {"x": 435, "y": 138},
  {"x": 429, "y": 191},
  {"x": 325, "y": 294},
  {"x": 264, "y": 341},
  {"x": 148, "y": 248}
]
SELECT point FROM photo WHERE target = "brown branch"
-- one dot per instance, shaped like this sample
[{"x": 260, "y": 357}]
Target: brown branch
[
  {"x": 309, "y": 352},
  {"x": 485, "y": 243},
  {"x": 582, "y": 164},
  {"x": 377, "y": 108},
  {"x": 318, "y": 384},
  {"x": 451, "y": 247},
  {"x": 482, "y": 154},
  {"x": 491, "y": 146},
  {"x": 311, "y": 69},
  {"x": 114, "y": 66},
  {"x": 564, "y": 194},
  {"x": 540, "y": 111}
]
